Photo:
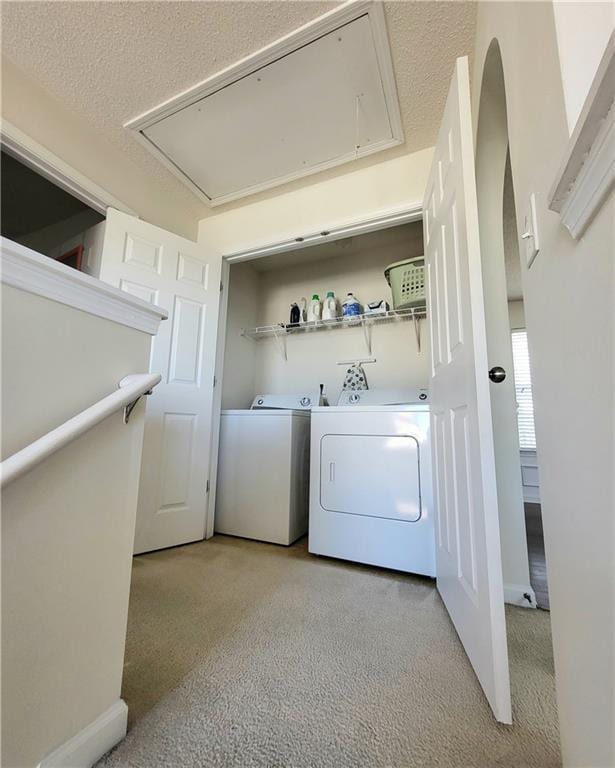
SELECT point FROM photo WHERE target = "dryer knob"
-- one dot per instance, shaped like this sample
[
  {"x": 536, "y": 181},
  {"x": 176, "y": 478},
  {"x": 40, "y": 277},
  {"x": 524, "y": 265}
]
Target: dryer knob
[
  {"x": 305, "y": 401},
  {"x": 354, "y": 398},
  {"x": 422, "y": 396},
  {"x": 260, "y": 401}
]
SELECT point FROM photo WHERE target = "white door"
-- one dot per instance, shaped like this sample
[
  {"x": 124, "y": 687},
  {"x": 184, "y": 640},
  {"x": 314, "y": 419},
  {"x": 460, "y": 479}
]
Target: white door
[
  {"x": 468, "y": 559},
  {"x": 184, "y": 278}
]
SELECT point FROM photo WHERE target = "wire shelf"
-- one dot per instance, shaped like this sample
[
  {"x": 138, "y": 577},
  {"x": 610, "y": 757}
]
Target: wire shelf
[
  {"x": 356, "y": 321},
  {"x": 366, "y": 321}
]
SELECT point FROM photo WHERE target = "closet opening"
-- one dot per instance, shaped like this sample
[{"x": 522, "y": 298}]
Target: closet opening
[
  {"x": 265, "y": 352},
  {"x": 312, "y": 331}
]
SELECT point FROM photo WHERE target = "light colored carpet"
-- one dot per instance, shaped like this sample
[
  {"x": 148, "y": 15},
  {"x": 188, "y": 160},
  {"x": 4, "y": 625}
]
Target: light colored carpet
[{"x": 248, "y": 654}]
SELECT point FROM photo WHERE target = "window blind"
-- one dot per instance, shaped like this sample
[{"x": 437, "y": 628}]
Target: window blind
[{"x": 523, "y": 391}]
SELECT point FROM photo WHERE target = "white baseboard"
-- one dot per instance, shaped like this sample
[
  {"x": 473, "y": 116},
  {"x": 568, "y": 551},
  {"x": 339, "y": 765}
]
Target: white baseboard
[
  {"x": 514, "y": 594},
  {"x": 86, "y": 747}
]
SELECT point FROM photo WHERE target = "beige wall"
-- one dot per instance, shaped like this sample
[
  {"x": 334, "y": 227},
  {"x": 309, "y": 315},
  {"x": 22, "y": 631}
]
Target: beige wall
[
  {"x": 239, "y": 372},
  {"x": 569, "y": 312},
  {"x": 67, "y": 525},
  {"x": 312, "y": 357},
  {"x": 516, "y": 315},
  {"x": 35, "y": 112},
  {"x": 319, "y": 205}
]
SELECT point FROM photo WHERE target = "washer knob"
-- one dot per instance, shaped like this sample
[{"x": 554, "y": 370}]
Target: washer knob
[
  {"x": 260, "y": 401},
  {"x": 305, "y": 401},
  {"x": 423, "y": 396},
  {"x": 354, "y": 398}
]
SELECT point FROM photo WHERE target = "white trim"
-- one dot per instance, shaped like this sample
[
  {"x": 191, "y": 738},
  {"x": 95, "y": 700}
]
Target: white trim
[
  {"x": 30, "y": 271},
  {"x": 87, "y": 747},
  {"x": 514, "y": 594},
  {"x": 384, "y": 219},
  {"x": 29, "y": 152},
  {"x": 587, "y": 174},
  {"x": 130, "y": 389},
  {"x": 225, "y": 274},
  {"x": 308, "y": 33}
]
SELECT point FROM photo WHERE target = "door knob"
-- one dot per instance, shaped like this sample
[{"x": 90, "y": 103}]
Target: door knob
[{"x": 497, "y": 374}]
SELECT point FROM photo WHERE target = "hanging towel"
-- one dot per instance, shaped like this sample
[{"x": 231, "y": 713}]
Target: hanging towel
[{"x": 355, "y": 377}]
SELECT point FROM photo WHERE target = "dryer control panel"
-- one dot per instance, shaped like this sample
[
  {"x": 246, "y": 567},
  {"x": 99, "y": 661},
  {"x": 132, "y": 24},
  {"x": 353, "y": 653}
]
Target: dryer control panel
[{"x": 383, "y": 397}]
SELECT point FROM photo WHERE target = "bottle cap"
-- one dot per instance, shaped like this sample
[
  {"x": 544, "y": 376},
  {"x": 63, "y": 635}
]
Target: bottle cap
[
  {"x": 315, "y": 297},
  {"x": 330, "y": 295}
]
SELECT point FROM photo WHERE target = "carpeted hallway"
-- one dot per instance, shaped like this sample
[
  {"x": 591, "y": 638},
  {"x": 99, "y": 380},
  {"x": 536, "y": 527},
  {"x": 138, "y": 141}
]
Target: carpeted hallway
[{"x": 247, "y": 654}]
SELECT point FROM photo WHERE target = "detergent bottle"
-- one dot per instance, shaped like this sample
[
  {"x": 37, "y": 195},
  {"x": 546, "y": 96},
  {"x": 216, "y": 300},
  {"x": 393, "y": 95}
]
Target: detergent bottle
[
  {"x": 329, "y": 310},
  {"x": 314, "y": 309},
  {"x": 351, "y": 306},
  {"x": 303, "y": 310}
]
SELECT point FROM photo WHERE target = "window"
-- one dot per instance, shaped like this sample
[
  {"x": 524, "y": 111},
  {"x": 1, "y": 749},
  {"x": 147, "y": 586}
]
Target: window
[{"x": 523, "y": 391}]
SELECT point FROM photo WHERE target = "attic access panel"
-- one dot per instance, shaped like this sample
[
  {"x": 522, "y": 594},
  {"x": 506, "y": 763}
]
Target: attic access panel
[{"x": 327, "y": 102}]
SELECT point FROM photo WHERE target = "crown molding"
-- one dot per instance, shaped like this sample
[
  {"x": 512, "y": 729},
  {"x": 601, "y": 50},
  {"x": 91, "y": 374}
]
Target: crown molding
[{"x": 587, "y": 174}]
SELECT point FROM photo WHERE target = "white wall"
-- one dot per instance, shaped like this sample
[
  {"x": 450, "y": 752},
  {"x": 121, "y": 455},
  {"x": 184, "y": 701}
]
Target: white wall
[
  {"x": 569, "y": 293},
  {"x": 356, "y": 266},
  {"x": 35, "y": 112},
  {"x": 583, "y": 30},
  {"x": 320, "y": 205},
  {"x": 67, "y": 525}
]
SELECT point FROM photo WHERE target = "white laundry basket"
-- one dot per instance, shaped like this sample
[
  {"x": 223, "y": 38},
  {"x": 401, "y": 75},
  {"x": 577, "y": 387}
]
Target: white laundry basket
[{"x": 407, "y": 281}]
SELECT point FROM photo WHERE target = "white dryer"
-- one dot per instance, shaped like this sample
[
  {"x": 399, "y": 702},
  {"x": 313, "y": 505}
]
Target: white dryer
[
  {"x": 263, "y": 469},
  {"x": 370, "y": 480}
]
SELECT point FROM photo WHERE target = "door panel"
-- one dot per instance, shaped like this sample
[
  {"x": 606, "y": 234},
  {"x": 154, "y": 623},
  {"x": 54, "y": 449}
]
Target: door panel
[
  {"x": 183, "y": 277},
  {"x": 468, "y": 559}
]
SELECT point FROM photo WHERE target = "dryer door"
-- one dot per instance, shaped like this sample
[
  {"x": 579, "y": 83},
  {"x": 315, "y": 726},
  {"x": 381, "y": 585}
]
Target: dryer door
[{"x": 372, "y": 475}]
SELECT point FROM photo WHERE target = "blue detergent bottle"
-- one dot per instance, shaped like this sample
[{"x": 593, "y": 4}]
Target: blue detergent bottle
[{"x": 351, "y": 306}]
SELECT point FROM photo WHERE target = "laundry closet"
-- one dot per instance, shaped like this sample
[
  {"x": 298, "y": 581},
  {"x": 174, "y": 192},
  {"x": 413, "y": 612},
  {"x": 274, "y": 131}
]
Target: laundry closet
[
  {"x": 260, "y": 295},
  {"x": 282, "y": 368}
]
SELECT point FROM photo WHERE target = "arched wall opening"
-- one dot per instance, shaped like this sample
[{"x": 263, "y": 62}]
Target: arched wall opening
[{"x": 496, "y": 210}]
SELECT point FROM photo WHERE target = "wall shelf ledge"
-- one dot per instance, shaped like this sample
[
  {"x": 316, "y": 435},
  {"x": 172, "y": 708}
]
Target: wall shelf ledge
[{"x": 281, "y": 331}]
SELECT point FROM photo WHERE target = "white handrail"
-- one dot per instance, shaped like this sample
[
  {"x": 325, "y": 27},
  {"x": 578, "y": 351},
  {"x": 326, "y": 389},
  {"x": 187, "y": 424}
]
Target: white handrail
[{"x": 130, "y": 389}]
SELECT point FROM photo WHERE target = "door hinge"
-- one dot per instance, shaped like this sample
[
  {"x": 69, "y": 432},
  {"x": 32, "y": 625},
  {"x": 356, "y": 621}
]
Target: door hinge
[
  {"x": 221, "y": 286},
  {"x": 215, "y": 381},
  {"x": 207, "y": 487}
]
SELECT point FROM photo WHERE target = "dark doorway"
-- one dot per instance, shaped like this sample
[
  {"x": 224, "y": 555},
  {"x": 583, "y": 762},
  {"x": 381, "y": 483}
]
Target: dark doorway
[{"x": 40, "y": 215}]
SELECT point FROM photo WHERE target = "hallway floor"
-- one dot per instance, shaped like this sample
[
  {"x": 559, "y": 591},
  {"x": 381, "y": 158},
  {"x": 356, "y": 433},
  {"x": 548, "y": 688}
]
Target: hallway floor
[
  {"x": 248, "y": 654},
  {"x": 536, "y": 553}
]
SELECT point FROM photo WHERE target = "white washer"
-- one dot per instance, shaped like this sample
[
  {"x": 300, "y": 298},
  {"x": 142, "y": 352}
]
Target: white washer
[
  {"x": 263, "y": 469},
  {"x": 370, "y": 480}
]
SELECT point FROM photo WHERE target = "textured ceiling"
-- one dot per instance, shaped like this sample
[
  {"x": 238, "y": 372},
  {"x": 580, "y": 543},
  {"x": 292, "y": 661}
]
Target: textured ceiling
[{"x": 111, "y": 61}]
